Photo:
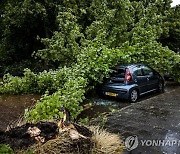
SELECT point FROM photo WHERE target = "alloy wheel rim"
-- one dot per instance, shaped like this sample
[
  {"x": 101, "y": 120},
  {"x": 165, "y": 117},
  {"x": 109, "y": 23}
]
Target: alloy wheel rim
[{"x": 134, "y": 95}]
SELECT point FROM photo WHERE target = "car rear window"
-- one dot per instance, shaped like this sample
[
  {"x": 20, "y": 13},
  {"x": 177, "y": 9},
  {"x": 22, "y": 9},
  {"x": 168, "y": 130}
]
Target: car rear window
[{"x": 118, "y": 75}]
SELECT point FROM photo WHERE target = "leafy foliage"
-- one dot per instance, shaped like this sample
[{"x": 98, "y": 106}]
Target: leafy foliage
[
  {"x": 22, "y": 23},
  {"x": 34, "y": 83},
  {"x": 73, "y": 91},
  {"x": 171, "y": 35},
  {"x": 92, "y": 36},
  {"x": 63, "y": 46},
  {"x": 4, "y": 149},
  {"x": 143, "y": 43}
]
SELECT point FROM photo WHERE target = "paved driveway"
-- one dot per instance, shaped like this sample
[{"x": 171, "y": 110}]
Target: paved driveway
[{"x": 155, "y": 122}]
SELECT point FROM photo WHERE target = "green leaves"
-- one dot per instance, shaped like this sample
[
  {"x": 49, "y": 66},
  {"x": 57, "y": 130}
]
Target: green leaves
[
  {"x": 91, "y": 67},
  {"x": 111, "y": 21},
  {"x": 64, "y": 46},
  {"x": 51, "y": 106},
  {"x": 4, "y": 149},
  {"x": 171, "y": 30},
  {"x": 91, "y": 37},
  {"x": 22, "y": 22}
]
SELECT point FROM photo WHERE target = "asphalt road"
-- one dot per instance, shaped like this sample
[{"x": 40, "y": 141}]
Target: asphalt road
[{"x": 151, "y": 120}]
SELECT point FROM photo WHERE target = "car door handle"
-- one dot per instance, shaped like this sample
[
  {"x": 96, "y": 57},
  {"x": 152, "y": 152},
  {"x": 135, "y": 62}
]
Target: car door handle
[
  {"x": 148, "y": 79},
  {"x": 135, "y": 80}
]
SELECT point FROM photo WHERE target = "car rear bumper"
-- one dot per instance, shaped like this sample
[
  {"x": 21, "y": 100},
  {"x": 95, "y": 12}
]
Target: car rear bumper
[{"x": 120, "y": 93}]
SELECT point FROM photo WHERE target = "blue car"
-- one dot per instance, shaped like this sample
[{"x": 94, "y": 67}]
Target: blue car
[{"x": 131, "y": 81}]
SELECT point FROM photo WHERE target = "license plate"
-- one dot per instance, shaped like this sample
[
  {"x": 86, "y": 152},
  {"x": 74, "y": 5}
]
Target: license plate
[{"x": 111, "y": 94}]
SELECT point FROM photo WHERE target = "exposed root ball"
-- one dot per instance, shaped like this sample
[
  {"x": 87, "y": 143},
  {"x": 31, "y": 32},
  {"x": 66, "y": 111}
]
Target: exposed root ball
[{"x": 64, "y": 144}]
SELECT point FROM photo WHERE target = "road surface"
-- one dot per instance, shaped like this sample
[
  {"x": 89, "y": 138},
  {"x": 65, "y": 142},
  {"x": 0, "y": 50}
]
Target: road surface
[{"x": 152, "y": 120}]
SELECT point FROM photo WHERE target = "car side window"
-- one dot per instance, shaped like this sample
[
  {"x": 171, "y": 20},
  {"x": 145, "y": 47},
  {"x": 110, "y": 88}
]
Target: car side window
[
  {"x": 138, "y": 72},
  {"x": 147, "y": 71}
]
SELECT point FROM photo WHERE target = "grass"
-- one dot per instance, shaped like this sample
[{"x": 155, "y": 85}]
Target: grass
[{"x": 105, "y": 142}]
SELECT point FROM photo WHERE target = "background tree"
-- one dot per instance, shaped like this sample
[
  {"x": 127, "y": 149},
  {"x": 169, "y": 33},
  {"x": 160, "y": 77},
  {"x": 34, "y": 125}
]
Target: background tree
[
  {"x": 22, "y": 23},
  {"x": 171, "y": 37}
]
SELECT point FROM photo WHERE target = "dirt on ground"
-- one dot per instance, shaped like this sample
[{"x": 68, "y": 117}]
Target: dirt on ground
[
  {"x": 157, "y": 118},
  {"x": 12, "y": 108}
]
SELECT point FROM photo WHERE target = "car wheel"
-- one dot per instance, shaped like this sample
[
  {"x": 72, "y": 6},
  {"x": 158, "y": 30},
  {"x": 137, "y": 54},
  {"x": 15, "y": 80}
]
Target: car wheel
[
  {"x": 160, "y": 86},
  {"x": 133, "y": 96}
]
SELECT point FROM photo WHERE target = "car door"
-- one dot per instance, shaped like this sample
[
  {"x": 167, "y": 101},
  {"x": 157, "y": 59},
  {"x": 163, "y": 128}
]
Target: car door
[
  {"x": 151, "y": 78},
  {"x": 140, "y": 79}
]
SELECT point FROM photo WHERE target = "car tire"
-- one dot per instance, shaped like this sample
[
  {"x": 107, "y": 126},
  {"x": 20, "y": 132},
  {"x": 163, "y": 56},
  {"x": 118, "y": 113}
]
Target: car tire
[
  {"x": 133, "y": 95},
  {"x": 161, "y": 87}
]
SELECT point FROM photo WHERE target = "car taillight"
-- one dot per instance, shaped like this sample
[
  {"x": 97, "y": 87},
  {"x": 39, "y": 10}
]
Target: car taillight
[{"x": 128, "y": 76}]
